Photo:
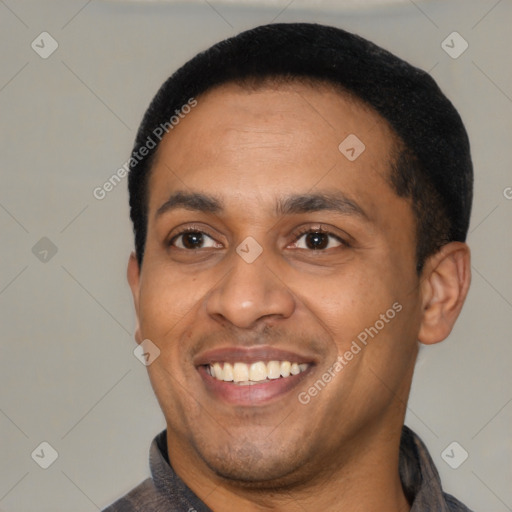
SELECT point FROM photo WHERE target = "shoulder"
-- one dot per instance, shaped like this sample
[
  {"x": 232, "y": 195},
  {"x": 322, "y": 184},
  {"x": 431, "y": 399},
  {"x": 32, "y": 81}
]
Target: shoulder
[{"x": 454, "y": 505}]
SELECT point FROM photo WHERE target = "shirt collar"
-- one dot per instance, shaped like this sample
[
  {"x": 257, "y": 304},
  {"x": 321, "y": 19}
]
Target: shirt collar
[{"x": 419, "y": 476}]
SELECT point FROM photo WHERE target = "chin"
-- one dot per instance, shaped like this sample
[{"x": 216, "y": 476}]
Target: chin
[{"x": 247, "y": 465}]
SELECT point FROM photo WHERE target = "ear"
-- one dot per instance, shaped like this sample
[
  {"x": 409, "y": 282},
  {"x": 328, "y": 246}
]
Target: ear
[
  {"x": 445, "y": 283},
  {"x": 133, "y": 275}
]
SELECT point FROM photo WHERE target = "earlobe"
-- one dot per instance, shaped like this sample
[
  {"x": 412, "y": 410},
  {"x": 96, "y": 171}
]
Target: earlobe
[
  {"x": 133, "y": 276},
  {"x": 446, "y": 280}
]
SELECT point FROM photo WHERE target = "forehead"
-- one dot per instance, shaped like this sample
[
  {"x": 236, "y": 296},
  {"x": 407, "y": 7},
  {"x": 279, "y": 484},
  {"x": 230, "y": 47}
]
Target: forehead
[{"x": 290, "y": 137}]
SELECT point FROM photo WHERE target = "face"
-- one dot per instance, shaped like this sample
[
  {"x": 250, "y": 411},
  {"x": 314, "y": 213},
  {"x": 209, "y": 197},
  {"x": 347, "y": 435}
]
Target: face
[{"x": 278, "y": 282}]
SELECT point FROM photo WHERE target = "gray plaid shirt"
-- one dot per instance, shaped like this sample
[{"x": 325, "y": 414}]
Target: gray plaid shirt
[{"x": 166, "y": 492}]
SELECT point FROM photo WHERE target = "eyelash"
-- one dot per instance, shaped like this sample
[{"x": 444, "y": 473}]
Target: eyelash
[{"x": 297, "y": 235}]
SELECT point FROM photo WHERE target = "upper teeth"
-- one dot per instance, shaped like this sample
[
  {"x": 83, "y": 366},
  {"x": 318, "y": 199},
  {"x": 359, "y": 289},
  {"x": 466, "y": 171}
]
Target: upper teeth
[{"x": 255, "y": 372}]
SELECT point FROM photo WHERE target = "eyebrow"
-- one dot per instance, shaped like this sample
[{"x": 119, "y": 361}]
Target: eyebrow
[{"x": 288, "y": 205}]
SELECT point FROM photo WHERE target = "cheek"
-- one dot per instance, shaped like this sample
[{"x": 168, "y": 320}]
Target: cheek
[
  {"x": 348, "y": 303},
  {"x": 391, "y": 348},
  {"x": 166, "y": 298}
]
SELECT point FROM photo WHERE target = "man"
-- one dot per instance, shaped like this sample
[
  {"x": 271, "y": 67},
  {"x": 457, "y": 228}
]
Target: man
[{"x": 300, "y": 201}]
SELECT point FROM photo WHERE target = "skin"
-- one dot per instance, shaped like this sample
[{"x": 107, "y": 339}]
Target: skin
[{"x": 248, "y": 148}]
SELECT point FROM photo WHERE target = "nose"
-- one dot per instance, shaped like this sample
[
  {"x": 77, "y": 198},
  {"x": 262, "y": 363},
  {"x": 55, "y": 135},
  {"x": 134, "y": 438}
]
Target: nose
[{"x": 248, "y": 293}]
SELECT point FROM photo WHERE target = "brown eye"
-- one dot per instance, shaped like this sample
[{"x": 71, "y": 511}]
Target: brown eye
[
  {"x": 315, "y": 240},
  {"x": 191, "y": 240}
]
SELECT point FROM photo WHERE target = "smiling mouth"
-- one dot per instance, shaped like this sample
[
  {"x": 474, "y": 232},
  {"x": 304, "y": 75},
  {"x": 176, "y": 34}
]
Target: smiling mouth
[{"x": 259, "y": 372}]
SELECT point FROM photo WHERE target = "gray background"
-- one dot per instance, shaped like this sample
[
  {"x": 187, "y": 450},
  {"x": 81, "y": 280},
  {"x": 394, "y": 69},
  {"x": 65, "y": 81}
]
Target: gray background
[{"x": 68, "y": 373}]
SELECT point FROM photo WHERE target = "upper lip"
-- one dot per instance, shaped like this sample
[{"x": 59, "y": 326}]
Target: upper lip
[{"x": 249, "y": 355}]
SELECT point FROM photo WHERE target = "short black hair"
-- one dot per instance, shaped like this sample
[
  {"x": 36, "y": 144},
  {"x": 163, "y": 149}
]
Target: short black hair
[{"x": 431, "y": 166}]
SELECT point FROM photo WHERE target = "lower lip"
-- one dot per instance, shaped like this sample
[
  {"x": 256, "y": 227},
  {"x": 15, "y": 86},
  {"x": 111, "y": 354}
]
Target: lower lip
[{"x": 253, "y": 394}]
